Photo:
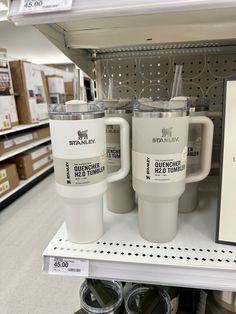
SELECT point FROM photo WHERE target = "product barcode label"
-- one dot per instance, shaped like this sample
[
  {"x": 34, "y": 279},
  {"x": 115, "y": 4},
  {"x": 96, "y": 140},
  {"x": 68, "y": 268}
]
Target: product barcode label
[
  {"x": 68, "y": 266},
  {"x": 41, "y": 162},
  {"x": 41, "y": 6},
  {"x": 41, "y": 151},
  {"x": 8, "y": 143},
  {"x": 22, "y": 139}
]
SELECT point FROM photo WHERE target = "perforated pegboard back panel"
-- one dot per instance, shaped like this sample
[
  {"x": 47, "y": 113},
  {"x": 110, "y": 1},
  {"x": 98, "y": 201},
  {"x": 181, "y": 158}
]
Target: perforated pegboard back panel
[{"x": 152, "y": 76}]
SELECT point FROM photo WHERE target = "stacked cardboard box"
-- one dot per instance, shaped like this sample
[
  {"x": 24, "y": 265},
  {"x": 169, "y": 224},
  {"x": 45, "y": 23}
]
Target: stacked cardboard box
[
  {"x": 8, "y": 178},
  {"x": 12, "y": 142},
  {"x": 32, "y": 161},
  {"x": 8, "y": 112},
  {"x": 42, "y": 132},
  {"x": 30, "y": 83}
]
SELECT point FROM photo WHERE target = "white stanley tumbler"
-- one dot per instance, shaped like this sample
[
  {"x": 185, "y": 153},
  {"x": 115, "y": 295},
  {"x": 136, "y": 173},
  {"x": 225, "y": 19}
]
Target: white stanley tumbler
[
  {"x": 159, "y": 156},
  {"x": 120, "y": 195},
  {"x": 189, "y": 200},
  {"x": 79, "y": 154}
]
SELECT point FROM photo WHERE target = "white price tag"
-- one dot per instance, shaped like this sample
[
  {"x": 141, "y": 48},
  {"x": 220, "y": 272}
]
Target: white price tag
[
  {"x": 68, "y": 266},
  {"x": 43, "y": 6}
]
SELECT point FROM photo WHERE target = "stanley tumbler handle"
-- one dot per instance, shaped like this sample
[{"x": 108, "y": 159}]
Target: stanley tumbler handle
[
  {"x": 206, "y": 149},
  {"x": 124, "y": 148}
]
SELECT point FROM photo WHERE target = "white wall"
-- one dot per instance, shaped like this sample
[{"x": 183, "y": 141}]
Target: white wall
[{"x": 26, "y": 42}]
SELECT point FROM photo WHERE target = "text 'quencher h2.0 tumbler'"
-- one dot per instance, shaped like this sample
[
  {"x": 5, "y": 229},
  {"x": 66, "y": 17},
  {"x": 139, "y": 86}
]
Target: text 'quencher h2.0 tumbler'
[
  {"x": 159, "y": 158},
  {"x": 79, "y": 155}
]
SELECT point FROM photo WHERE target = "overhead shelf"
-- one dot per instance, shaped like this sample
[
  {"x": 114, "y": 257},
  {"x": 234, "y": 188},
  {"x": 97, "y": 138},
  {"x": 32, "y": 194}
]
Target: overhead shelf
[
  {"x": 24, "y": 148},
  {"x": 22, "y": 127},
  {"x": 87, "y": 9},
  {"x": 91, "y": 28},
  {"x": 192, "y": 259}
]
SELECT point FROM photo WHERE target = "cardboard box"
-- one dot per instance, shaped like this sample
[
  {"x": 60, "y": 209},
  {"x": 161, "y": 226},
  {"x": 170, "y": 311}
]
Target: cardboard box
[
  {"x": 7, "y": 170},
  {"x": 9, "y": 178},
  {"x": 55, "y": 84},
  {"x": 33, "y": 154},
  {"x": 7, "y": 100},
  {"x": 43, "y": 132},
  {"x": 69, "y": 90},
  {"x": 12, "y": 142},
  {"x": 27, "y": 167},
  {"x": 30, "y": 84}
]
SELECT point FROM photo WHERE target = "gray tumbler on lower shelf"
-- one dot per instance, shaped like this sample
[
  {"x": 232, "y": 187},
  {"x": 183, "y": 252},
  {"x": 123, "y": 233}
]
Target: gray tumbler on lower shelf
[
  {"x": 101, "y": 297},
  {"x": 221, "y": 302},
  {"x": 120, "y": 196},
  {"x": 189, "y": 199},
  {"x": 144, "y": 299}
]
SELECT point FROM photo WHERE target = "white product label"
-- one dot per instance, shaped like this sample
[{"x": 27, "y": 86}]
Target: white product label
[
  {"x": 41, "y": 6},
  {"x": 41, "y": 162},
  {"x": 22, "y": 139},
  {"x": 194, "y": 150},
  {"x": 113, "y": 154},
  {"x": 85, "y": 171},
  {"x": 3, "y": 174},
  {"x": 113, "y": 147},
  {"x": 159, "y": 168},
  {"x": 41, "y": 151},
  {"x": 68, "y": 266},
  {"x": 8, "y": 144},
  {"x": 4, "y": 187}
]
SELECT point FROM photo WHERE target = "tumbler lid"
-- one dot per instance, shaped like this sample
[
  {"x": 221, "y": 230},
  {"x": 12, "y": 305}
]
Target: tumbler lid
[
  {"x": 75, "y": 110},
  {"x": 175, "y": 107},
  {"x": 115, "y": 106}
]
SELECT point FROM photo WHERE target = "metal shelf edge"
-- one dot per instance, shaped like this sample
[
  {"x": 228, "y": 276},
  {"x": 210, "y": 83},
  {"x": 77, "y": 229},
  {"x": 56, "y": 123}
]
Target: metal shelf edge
[
  {"x": 24, "y": 148},
  {"x": 22, "y": 127}
]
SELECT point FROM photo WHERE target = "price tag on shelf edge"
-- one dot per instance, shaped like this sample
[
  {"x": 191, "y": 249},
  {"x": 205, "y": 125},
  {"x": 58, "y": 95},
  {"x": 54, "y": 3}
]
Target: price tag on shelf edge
[
  {"x": 68, "y": 266},
  {"x": 44, "y": 6}
]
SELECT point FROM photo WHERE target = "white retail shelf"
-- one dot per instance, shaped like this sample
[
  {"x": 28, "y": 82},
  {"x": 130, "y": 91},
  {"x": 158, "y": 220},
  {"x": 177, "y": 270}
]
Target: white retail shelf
[
  {"x": 192, "y": 259},
  {"x": 85, "y": 9},
  {"x": 23, "y": 148},
  {"x": 22, "y": 127},
  {"x": 25, "y": 182}
]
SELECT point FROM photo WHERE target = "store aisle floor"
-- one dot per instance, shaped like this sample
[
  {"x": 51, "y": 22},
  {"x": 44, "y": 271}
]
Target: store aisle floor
[{"x": 26, "y": 227}]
